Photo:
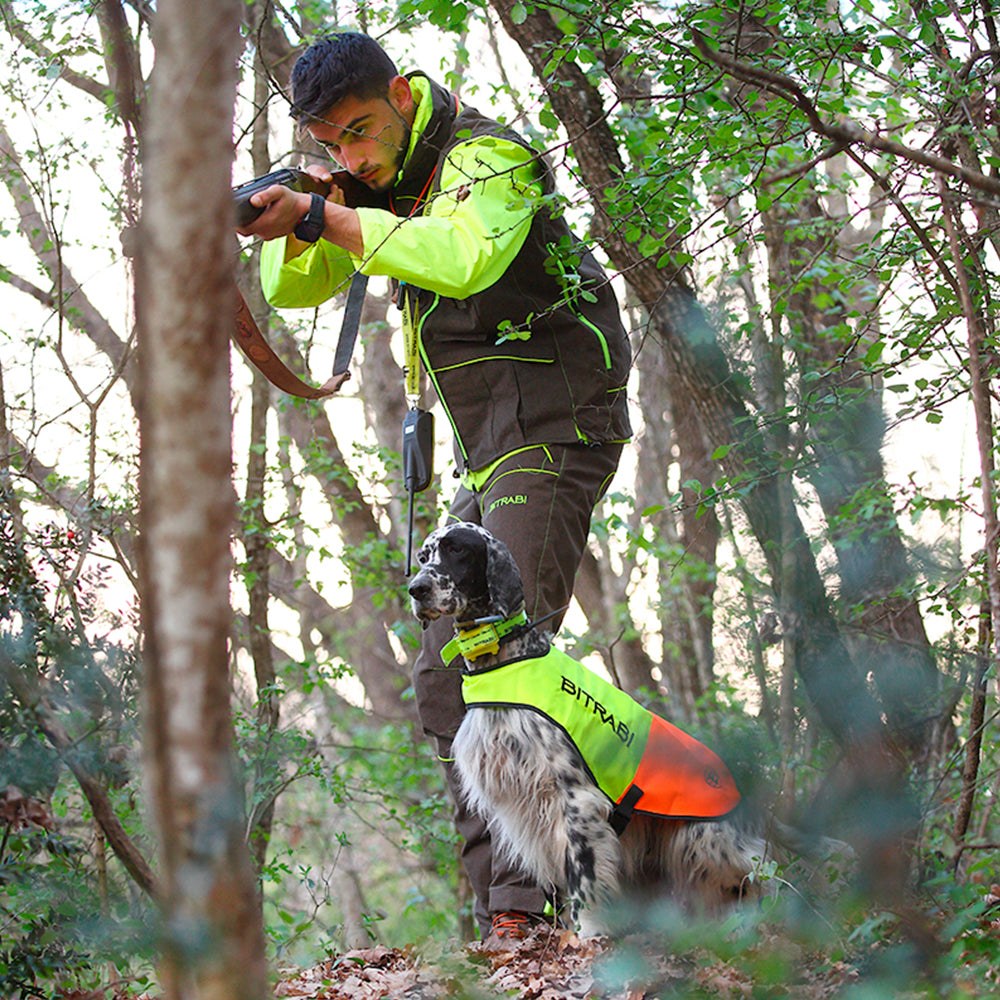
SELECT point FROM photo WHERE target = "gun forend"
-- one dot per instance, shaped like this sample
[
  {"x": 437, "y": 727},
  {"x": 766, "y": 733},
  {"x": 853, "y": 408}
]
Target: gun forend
[{"x": 296, "y": 180}]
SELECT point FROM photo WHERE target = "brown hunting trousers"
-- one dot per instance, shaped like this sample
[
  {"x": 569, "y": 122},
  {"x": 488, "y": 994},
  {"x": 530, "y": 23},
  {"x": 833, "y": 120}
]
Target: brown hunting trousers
[{"x": 539, "y": 502}]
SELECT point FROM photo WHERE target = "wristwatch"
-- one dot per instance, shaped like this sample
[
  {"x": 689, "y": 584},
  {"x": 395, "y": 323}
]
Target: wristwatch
[{"x": 310, "y": 227}]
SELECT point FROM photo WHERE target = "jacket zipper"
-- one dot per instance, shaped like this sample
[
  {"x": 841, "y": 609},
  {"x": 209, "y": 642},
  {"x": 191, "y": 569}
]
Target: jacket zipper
[{"x": 434, "y": 381}]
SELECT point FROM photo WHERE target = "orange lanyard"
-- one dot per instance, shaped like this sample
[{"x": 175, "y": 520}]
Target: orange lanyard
[{"x": 420, "y": 197}]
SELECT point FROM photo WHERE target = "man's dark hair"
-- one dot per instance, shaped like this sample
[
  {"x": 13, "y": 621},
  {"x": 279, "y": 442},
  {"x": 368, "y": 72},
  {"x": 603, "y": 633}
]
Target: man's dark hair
[{"x": 346, "y": 63}]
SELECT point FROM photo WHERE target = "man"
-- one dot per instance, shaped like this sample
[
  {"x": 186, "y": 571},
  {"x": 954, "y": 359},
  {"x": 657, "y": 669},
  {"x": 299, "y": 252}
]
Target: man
[{"x": 518, "y": 331}]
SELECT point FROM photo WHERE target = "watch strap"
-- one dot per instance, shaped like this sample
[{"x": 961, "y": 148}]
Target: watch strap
[{"x": 310, "y": 227}]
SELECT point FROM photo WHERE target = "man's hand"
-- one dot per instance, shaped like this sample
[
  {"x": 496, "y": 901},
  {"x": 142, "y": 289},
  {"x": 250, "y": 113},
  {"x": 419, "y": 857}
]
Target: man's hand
[{"x": 284, "y": 208}]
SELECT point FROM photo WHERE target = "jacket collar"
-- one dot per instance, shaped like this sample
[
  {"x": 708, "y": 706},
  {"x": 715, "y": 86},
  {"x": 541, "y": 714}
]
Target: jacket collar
[{"x": 426, "y": 146}]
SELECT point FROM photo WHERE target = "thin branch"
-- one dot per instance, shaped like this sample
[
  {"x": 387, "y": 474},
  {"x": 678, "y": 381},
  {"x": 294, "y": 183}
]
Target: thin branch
[
  {"x": 844, "y": 131},
  {"x": 112, "y": 526},
  {"x": 833, "y": 149},
  {"x": 75, "y": 305},
  {"x": 919, "y": 231},
  {"x": 81, "y": 81}
]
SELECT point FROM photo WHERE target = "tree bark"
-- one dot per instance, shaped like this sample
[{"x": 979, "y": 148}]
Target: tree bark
[
  {"x": 844, "y": 429},
  {"x": 257, "y": 546},
  {"x": 672, "y": 436},
  {"x": 214, "y": 944},
  {"x": 257, "y": 543}
]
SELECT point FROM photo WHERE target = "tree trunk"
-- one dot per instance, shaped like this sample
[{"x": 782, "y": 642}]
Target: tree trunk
[
  {"x": 673, "y": 436},
  {"x": 357, "y": 932},
  {"x": 214, "y": 944},
  {"x": 257, "y": 542},
  {"x": 844, "y": 427}
]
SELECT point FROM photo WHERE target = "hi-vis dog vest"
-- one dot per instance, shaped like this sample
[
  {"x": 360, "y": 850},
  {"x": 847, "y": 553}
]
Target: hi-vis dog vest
[{"x": 639, "y": 760}]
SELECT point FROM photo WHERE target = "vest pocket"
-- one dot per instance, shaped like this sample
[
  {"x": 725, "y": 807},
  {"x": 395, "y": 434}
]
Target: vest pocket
[{"x": 454, "y": 321}]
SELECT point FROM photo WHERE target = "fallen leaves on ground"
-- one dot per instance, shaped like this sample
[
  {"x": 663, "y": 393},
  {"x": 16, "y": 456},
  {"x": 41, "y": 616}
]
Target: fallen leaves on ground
[{"x": 549, "y": 964}]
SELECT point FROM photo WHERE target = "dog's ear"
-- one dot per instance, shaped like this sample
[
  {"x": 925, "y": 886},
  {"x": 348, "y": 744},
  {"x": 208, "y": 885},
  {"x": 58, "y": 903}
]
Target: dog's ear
[{"x": 503, "y": 578}]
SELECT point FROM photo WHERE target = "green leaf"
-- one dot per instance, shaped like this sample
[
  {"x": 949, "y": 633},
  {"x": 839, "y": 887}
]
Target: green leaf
[
  {"x": 874, "y": 352},
  {"x": 548, "y": 118},
  {"x": 649, "y": 244}
]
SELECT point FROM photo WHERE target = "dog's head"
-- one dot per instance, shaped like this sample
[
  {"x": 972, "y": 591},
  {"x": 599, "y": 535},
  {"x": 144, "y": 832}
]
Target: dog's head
[{"x": 465, "y": 573}]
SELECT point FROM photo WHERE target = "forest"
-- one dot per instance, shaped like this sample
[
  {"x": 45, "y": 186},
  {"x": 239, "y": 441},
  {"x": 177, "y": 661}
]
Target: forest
[{"x": 212, "y": 775}]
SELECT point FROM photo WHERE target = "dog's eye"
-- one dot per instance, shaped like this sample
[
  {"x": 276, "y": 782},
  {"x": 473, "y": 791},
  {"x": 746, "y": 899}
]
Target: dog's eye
[{"x": 421, "y": 557}]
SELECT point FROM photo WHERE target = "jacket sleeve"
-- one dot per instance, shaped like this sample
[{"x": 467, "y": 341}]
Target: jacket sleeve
[
  {"x": 307, "y": 280},
  {"x": 472, "y": 230},
  {"x": 470, "y": 234}
]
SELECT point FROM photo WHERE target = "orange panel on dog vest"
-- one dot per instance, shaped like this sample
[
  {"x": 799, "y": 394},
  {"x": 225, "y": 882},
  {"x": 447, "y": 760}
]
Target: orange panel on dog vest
[{"x": 680, "y": 777}]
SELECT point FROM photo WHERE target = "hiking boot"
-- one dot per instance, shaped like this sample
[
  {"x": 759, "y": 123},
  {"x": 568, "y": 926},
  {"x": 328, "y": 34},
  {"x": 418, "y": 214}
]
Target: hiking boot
[{"x": 512, "y": 926}]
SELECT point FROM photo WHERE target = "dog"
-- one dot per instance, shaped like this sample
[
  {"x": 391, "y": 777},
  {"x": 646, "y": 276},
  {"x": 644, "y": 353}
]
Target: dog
[{"x": 524, "y": 774}]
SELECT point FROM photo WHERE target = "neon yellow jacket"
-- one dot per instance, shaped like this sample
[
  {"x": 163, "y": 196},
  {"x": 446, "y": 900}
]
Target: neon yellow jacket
[
  {"x": 639, "y": 760},
  {"x": 460, "y": 246}
]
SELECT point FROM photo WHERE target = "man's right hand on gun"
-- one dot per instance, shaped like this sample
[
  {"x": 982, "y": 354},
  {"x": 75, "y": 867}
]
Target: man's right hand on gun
[{"x": 283, "y": 208}]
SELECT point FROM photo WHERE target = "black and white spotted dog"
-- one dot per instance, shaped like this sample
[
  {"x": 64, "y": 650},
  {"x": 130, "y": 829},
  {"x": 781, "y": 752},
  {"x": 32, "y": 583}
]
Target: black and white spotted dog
[{"x": 525, "y": 776}]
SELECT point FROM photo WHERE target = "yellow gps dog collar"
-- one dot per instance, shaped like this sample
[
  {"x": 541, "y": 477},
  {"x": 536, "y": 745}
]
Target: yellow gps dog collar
[{"x": 477, "y": 638}]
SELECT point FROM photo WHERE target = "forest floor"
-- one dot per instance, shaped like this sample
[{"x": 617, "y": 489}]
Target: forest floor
[
  {"x": 947, "y": 952},
  {"x": 557, "y": 965},
  {"x": 885, "y": 957}
]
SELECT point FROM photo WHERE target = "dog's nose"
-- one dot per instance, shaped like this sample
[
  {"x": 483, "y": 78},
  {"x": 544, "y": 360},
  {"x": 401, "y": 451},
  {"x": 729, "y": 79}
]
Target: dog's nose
[{"x": 418, "y": 588}]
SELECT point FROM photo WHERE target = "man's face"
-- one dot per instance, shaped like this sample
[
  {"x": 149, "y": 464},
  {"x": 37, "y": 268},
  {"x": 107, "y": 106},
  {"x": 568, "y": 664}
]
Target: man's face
[{"x": 369, "y": 138}]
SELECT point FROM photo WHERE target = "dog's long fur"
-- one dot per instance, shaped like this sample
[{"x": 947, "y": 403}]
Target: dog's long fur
[{"x": 524, "y": 775}]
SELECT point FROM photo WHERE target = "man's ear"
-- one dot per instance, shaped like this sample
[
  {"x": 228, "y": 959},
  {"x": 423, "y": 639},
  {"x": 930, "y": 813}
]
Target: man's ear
[{"x": 401, "y": 97}]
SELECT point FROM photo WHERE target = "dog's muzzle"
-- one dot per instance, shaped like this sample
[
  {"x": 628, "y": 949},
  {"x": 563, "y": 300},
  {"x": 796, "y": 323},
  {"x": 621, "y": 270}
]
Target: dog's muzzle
[{"x": 421, "y": 591}]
